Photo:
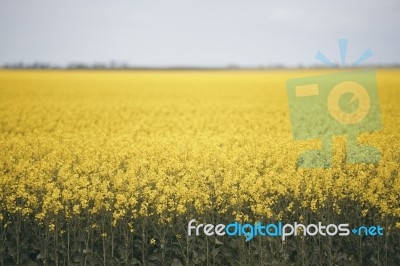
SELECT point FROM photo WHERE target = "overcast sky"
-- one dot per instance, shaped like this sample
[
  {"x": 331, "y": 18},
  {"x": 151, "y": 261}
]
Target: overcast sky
[{"x": 197, "y": 33}]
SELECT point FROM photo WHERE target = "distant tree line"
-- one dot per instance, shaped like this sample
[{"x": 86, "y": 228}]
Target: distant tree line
[{"x": 125, "y": 66}]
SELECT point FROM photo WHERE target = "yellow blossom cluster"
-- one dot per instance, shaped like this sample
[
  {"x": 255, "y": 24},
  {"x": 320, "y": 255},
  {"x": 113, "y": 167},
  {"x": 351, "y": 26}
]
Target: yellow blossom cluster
[{"x": 178, "y": 144}]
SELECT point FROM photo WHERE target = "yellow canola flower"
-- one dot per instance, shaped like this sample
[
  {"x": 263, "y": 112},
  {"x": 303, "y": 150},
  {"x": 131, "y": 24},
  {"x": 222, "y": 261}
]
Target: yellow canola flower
[{"x": 157, "y": 145}]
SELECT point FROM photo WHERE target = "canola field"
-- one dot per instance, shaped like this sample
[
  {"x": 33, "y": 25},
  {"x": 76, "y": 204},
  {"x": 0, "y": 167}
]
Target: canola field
[{"x": 108, "y": 167}]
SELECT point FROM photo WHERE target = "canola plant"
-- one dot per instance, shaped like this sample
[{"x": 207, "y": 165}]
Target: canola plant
[{"x": 102, "y": 167}]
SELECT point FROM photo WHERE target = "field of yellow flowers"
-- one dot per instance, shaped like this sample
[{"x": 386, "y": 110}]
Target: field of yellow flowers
[{"x": 108, "y": 167}]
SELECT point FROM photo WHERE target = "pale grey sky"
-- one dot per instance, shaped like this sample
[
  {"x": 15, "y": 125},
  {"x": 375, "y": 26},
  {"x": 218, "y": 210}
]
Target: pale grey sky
[{"x": 197, "y": 33}]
